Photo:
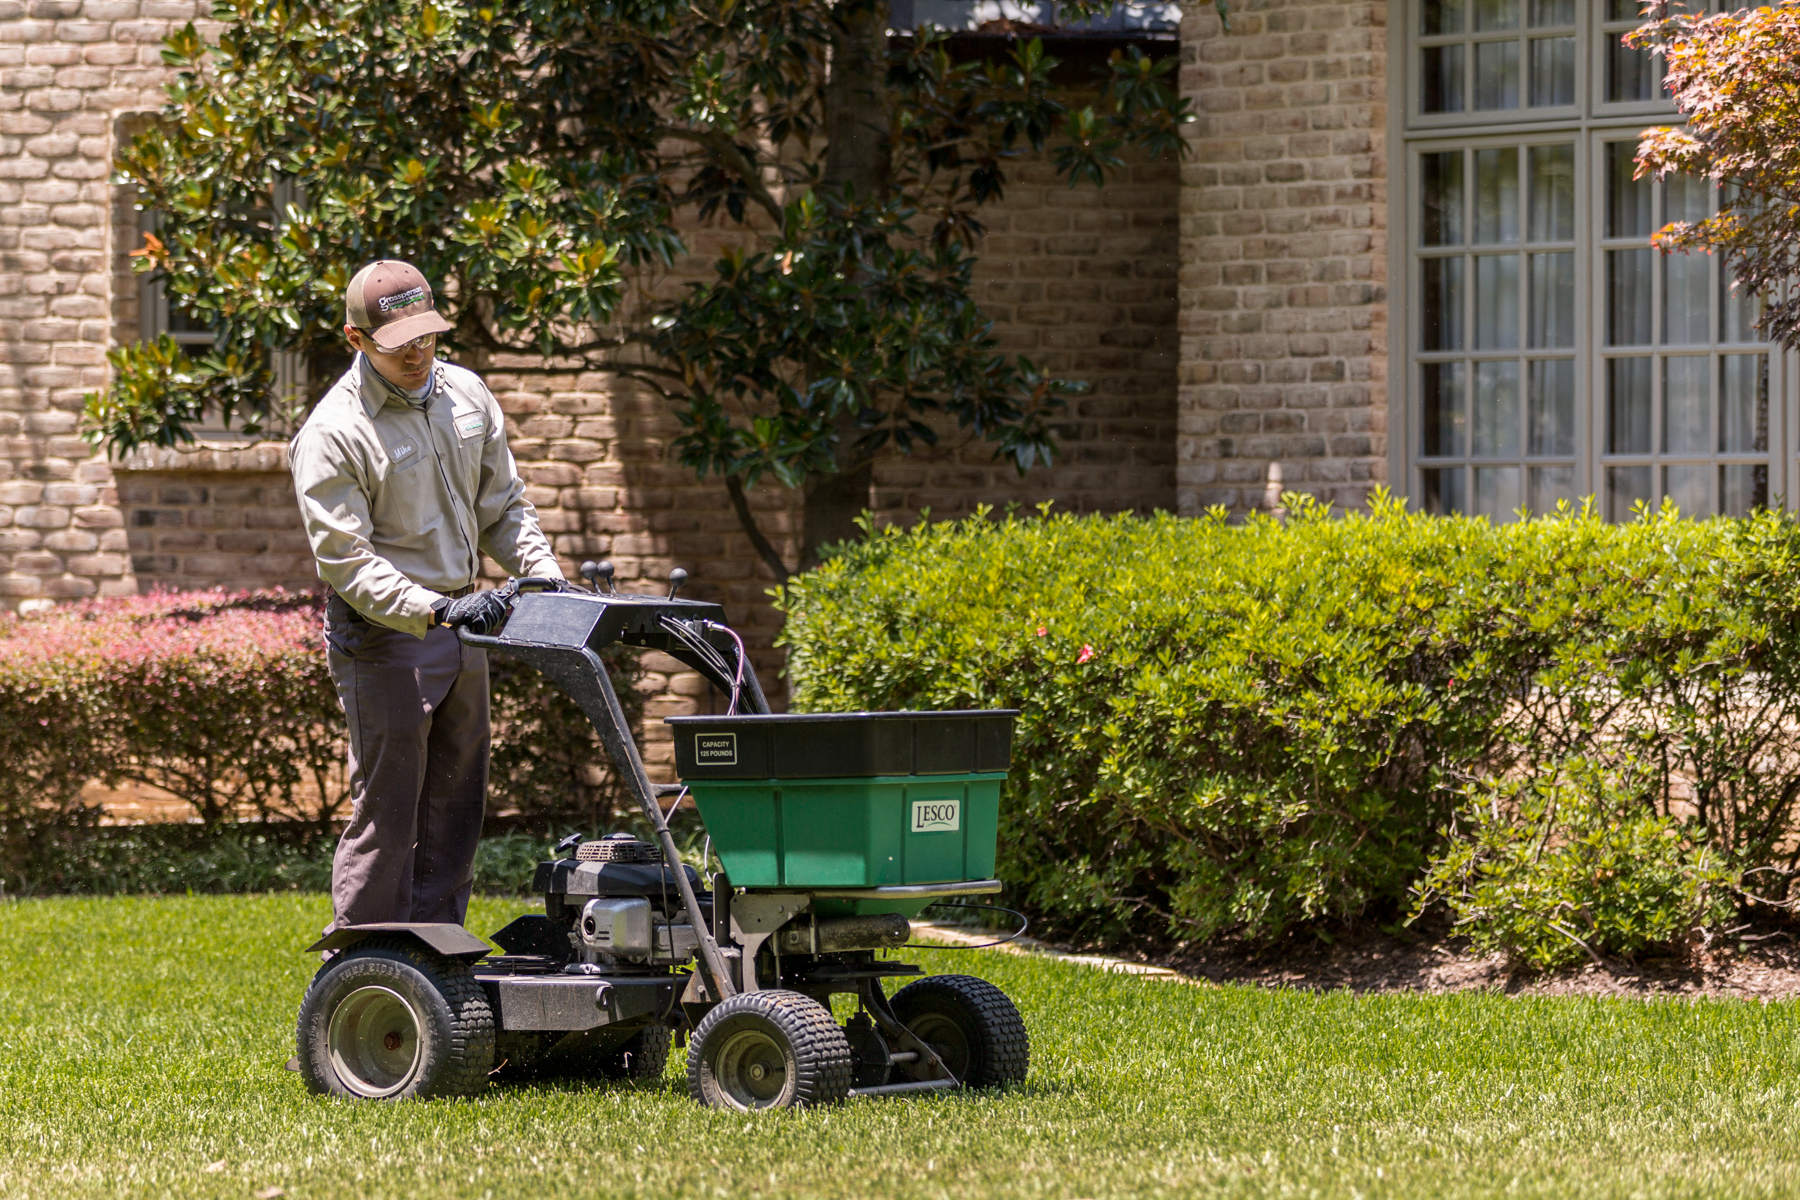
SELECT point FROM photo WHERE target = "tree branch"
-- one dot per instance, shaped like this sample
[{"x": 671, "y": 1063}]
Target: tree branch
[
  {"x": 733, "y": 156},
  {"x": 741, "y": 505}
]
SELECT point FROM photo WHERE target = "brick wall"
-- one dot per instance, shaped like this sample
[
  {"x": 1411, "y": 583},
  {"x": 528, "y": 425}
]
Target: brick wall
[
  {"x": 68, "y": 68},
  {"x": 227, "y": 520},
  {"x": 1082, "y": 282},
  {"x": 1283, "y": 291}
]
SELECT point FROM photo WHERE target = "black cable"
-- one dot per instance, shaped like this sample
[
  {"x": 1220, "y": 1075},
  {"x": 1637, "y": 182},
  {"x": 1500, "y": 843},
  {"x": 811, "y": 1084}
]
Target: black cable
[
  {"x": 709, "y": 654},
  {"x": 1024, "y": 924}
]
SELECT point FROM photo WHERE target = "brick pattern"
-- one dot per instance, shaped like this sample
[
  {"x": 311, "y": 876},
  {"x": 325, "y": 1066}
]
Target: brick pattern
[
  {"x": 1283, "y": 289},
  {"x": 236, "y": 529},
  {"x": 1080, "y": 280},
  {"x": 68, "y": 69}
]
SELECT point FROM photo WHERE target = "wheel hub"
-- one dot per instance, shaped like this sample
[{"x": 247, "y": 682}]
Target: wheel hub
[
  {"x": 373, "y": 1042},
  {"x": 751, "y": 1069}
]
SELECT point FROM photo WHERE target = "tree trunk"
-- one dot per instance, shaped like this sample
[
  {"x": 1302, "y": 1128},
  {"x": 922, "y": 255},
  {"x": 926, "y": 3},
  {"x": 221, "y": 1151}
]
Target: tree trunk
[
  {"x": 856, "y": 119},
  {"x": 857, "y": 156}
]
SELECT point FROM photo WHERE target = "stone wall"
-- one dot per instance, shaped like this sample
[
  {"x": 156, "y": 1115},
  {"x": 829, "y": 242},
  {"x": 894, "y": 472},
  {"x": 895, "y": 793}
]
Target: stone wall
[{"x": 1284, "y": 254}]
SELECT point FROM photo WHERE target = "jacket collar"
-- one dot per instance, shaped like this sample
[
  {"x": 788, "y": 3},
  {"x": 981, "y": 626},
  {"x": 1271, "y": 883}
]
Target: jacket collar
[{"x": 377, "y": 392}]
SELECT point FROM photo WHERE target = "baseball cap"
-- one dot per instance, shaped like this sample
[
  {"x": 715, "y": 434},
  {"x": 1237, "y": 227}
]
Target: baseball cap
[{"x": 392, "y": 301}]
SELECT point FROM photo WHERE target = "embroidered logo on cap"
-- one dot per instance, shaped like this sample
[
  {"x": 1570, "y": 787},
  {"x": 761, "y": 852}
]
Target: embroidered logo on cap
[{"x": 400, "y": 299}]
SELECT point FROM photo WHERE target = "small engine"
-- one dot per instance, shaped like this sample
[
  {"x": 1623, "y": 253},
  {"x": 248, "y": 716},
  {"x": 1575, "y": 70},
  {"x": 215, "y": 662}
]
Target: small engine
[{"x": 618, "y": 905}]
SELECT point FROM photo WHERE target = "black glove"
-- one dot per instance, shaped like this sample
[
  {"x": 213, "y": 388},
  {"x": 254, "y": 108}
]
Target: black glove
[{"x": 479, "y": 612}]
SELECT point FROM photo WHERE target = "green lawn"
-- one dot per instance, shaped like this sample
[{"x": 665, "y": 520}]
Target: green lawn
[{"x": 141, "y": 1040}]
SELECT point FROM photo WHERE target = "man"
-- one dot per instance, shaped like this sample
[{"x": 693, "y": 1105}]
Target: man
[{"x": 403, "y": 477}]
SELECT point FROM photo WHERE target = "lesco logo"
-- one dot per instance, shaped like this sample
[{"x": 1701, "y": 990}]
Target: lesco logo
[{"x": 936, "y": 816}]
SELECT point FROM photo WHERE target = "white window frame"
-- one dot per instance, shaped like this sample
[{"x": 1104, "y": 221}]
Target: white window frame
[{"x": 1588, "y": 125}]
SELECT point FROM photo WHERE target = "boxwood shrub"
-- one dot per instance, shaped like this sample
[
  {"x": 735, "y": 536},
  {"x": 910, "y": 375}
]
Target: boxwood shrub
[{"x": 1245, "y": 727}]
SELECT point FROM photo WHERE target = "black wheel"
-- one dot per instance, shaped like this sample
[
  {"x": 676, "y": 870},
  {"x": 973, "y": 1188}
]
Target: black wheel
[
  {"x": 775, "y": 1049},
  {"x": 869, "y": 1062},
  {"x": 643, "y": 1059},
  {"x": 390, "y": 1020},
  {"x": 970, "y": 1024}
]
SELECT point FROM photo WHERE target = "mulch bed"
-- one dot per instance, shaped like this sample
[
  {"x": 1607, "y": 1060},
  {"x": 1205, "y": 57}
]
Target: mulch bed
[{"x": 1372, "y": 961}]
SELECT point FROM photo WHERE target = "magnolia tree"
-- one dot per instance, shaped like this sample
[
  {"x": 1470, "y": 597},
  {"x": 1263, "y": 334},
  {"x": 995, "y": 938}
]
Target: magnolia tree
[
  {"x": 1736, "y": 77},
  {"x": 537, "y": 158}
]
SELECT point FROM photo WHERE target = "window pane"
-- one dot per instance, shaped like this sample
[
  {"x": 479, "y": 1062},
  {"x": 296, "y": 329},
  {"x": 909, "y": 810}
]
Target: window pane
[
  {"x": 1497, "y": 410},
  {"x": 1443, "y": 16},
  {"x": 1444, "y": 409},
  {"x": 1441, "y": 79},
  {"x": 1739, "y": 310},
  {"x": 1552, "y": 300},
  {"x": 1744, "y": 404},
  {"x": 1552, "y": 71},
  {"x": 1627, "y": 199},
  {"x": 1687, "y": 315},
  {"x": 1497, "y": 302},
  {"x": 1626, "y": 486},
  {"x": 1441, "y": 299},
  {"x": 1552, "y": 12},
  {"x": 1496, "y": 75},
  {"x": 1552, "y": 407},
  {"x": 1441, "y": 182},
  {"x": 1743, "y": 487},
  {"x": 1497, "y": 196},
  {"x": 1496, "y": 14},
  {"x": 1553, "y": 193},
  {"x": 1497, "y": 492},
  {"x": 1444, "y": 491},
  {"x": 1628, "y": 406},
  {"x": 1685, "y": 198},
  {"x": 1686, "y": 485},
  {"x": 1622, "y": 10},
  {"x": 1551, "y": 484},
  {"x": 1687, "y": 409},
  {"x": 1630, "y": 74},
  {"x": 1628, "y": 296}
]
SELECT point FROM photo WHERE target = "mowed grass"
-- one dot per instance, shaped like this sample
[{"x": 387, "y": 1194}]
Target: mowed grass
[{"x": 142, "y": 1040}]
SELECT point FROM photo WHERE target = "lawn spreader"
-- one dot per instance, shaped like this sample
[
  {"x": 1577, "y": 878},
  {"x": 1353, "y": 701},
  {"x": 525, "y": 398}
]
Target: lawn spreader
[{"x": 831, "y": 831}]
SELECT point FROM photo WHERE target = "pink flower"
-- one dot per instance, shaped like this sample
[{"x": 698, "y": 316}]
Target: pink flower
[
  {"x": 1041, "y": 631},
  {"x": 1087, "y": 652}
]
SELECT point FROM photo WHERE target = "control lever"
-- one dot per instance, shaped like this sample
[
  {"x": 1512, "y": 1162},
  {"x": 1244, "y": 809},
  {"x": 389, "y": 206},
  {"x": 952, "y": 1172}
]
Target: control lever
[
  {"x": 569, "y": 843},
  {"x": 677, "y": 577},
  {"x": 594, "y": 571}
]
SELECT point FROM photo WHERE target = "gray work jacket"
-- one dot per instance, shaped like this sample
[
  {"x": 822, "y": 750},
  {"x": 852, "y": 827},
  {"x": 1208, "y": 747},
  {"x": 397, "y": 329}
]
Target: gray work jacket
[{"x": 397, "y": 500}]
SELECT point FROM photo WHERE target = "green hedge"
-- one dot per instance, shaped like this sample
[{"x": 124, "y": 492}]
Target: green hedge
[
  {"x": 178, "y": 859},
  {"x": 1245, "y": 727},
  {"x": 224, "y": 700}
]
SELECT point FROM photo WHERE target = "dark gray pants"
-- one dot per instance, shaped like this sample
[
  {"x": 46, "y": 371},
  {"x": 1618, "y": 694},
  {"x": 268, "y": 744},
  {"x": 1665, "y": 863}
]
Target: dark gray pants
[{"x": 418, "y": 715}]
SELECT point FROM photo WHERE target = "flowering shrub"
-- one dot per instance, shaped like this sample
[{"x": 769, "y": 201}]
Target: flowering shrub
[
  {"x": 222, "y": 700},
  {"x": 225, "y": 701},
  {"x": 1250, "y": 727}
]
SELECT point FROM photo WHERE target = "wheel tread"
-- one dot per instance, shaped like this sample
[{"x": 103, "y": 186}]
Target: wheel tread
[
  {"x": 469, "y": 1049},
  {"x": 822, "y": 1061},
  {"x": 1003, "y": 1045}
]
